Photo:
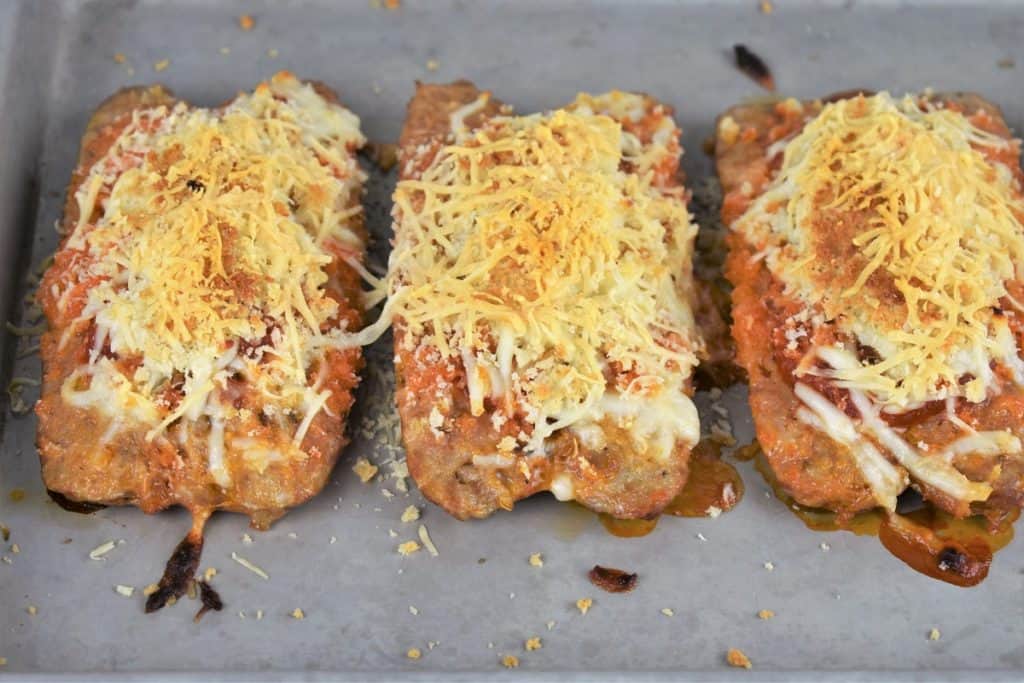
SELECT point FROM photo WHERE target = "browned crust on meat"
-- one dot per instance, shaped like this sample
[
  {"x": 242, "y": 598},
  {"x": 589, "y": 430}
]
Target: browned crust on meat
[
  {"x": 811, "y": 467},
  {"x": 154, "y": 475},
  {"x": 614, "y": 480}
]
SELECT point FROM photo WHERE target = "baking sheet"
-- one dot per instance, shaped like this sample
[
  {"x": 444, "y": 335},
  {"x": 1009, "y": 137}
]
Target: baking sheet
[{"x": 848, "y": 611}]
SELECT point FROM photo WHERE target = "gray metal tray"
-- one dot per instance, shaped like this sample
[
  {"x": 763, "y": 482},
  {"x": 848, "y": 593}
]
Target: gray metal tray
[{"x": 851, "y": 611}]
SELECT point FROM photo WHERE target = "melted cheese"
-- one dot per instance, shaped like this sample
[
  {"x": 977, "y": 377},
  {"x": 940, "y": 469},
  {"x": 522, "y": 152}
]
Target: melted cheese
[
  {"x": 204, "y": 229},
  {"x": 527, "y": 253},
  {"x": 942, "y": 233}
]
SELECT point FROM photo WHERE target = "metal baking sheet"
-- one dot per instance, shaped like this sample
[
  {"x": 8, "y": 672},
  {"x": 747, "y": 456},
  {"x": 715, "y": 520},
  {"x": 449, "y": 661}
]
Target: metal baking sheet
[{"x": 851, "y": 611}]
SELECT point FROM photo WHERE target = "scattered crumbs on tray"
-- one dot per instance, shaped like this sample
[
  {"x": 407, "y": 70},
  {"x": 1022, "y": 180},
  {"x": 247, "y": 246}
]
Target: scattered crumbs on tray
[
  {"x": 246, "y": 22},
  {"x": 259, "y": 615},
  {"x": 15, "y": 548},
  {"x": 209, "y": 573},
  {"x": 536, "y": 560},
  {"x": 334, "y": 539},
  {"x": 392, "y": 533},
  {"x": 126, "y": 591},
  {"x": 120, "y": 58},
  {"x": 3, "y": 661},
  {"x": 934, "y": 634},
  {"x": 241, "y": 614},
  {"x": 612, "y": 580},
  {"x": 225, "y": 50},
  {"x": 292, "y": 535},
  {"x": 532, "y": 644},
  {"x": 766, "y": 7},
  {"x": 765, "y": 614},
  {"x": 102, "y": 549},
  {"x": 413, "y": 653},
  {"x": 297, "y": 613},
  {"x": 825, "y": 547},
  {"x": 427, "y": 543},
  {"x": 701, "y": 536},
  {"x": 393, "y": 4},
  {"x": 510, "y": 661},
  {"x": 753, "y": 67},
  {"x": 584, "y": 605},
  {"x": 249, "y": 565},
  {"x": 16, "y": 495},
  {"x": 150, "y": 589},
  {"x": 413, "y": 610},
  {"x": 161, "y": 65},
  {"x": 668, "y": 611},
  {"x": 6, "y": 560},
  {"x": 511, "y": 596},
  {"x": 736, "y": 658},
  {"x": 272, "y": 52},
  {"x": 365, "y": 470},
  {"x": 770, "y": 566},
  {"x": 408, "y": 548},
  {"x": 551, "y": 624},
  {"x": 410, "y": 514},
  {"x": 246, "y": 539},
  {"x": 433, "y": 65},
  {"x": 32, "y": 610},
  {"x": 1006, "y": 63}
]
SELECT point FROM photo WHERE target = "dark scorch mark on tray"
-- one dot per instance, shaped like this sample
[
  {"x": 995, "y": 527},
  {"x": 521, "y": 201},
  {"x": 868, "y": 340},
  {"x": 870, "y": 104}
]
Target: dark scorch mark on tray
[
  {"x": 210, "y": 599},
  {"x": 81, "y": 507},
  {"x": 180, "y": 569},
  {"x": 753, "y": 66},
  {"x": 612, "y": 580}
]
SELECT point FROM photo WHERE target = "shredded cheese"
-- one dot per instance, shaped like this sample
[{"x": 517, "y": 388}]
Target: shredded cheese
[
  {"x": 203, "y": 237},
  {"x": 937, "y": 234},
  {"x": 538, "y": 252}
]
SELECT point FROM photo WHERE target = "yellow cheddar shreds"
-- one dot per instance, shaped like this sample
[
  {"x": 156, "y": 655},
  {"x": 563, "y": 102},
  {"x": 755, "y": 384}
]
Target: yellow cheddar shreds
[
  {"x": 214, "y": 228},
  {"x": 526, "y": 253},
  {"x": 941, "y": 237}
]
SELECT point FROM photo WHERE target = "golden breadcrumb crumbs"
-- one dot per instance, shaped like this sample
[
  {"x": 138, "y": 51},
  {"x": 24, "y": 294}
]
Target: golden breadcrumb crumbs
[
  {"x": 433, "y": 65},
  {"x": 119, "y": 57},
  {"x": 934, "y": 634},
  {"x": 413, "y": 653},
  {"x": 413, "y": 611},
  {"x": 297, "y": 613},
  {"x": 765, "y": 614},
  {"x": 410, "y": 514},
  {"x": 533, "y": 644},
  {"x": 392, "y": 4},
  {"x": 408, "y": 548},
  {"x": 668, "y": 611},
  {"x": 3, "y": 661},
  {"x": 161, "y": 65},
  {"x": 737, "y": 659},
  {"x": 766, "y": 7},
  {"x": 583, "y": 605},
  {"x": 32, "y": 610},
  {"x": 209, "y": 574},
  {"x": 126, "y": 591},
  {"x": 510, "y": 661},
  {"x": 246, "y": 22},
  {"x": 15, "y": 548},
  {"x": 536, "y": 560},
  {"x": 150, "y": 589},
  {"x": 364, "y": 470}
]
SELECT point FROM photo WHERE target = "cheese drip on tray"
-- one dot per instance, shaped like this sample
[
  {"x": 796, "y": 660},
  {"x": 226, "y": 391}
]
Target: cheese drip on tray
[
  {"x": 542, "y": 255},
  {"x": 208, "y": 256}
]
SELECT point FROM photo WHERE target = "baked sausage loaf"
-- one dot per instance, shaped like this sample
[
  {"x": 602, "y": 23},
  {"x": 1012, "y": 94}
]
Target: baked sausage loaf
[
  {"x": 876, "y": 248},
  {"x": 200, "y": 304},
  {"x": 541, "y": 289}
]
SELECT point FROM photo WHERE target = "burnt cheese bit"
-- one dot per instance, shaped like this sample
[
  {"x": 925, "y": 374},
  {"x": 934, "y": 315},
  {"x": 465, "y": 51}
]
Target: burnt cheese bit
[
  {"x": 210, "y": 598},
  {"x": 195, "y": 186},
  {"x": 753, "y": 66},
  {"x": 612, "y": 580}
]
